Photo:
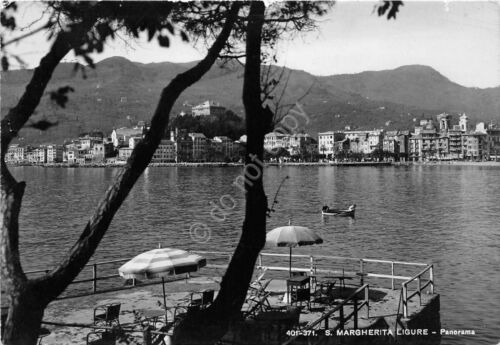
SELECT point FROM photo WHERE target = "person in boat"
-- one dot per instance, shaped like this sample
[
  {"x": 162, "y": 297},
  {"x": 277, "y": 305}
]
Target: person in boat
[{"x": 328, "y": 209}]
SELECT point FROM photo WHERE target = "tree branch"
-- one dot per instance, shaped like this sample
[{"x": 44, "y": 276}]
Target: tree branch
[
  {"x": 17, "y": 39},
  {"x": 58, "y": 279}
]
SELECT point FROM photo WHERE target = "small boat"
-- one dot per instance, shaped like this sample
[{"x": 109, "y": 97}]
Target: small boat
[{"x": 349, "y": 212}]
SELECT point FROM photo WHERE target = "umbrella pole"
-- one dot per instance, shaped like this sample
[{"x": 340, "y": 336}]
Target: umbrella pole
[
  {"x": 164, "y": 298},
  {"x": 290, "y": 271}
]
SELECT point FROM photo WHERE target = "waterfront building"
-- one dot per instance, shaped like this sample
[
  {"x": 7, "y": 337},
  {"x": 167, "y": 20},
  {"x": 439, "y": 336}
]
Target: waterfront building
[
  {"x": 71, "y": 156},
  {"x": 183, "y": 145},
  {"x": 326, "y": 142},
  {"x": 101, "y": 151},
  {"x": 16, "y": 154},
  {"x": 474, "y": 146},
  {"x": 341, "y": 146},
  {"x": 301, "y": 144},
  {"x": 165, "y": 152},
  {"x": 54, "y": 153},
  {"x": 493, "y": 138},
  {"x": 455, "y": 143},
  {"x": 443, "y": 147},
  {"x": 208, "y": 108},
  {"x": 87, "y": 140},
  {"x": 199, "y": 146},
  {"x": 124, "y": 153},
  {"x": 424, "y": 142},
  {"x": 275, "y": 140},
  {"x": 37, "y": 155},
  {"x": 223, "y": 145},
  {"x": 389, "y": 143},
  {"x": 365, "y": 141},
  {"x": 375, "y": 139}
]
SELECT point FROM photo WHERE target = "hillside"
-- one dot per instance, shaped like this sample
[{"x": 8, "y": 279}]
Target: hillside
[{"x": 119, "y": 92}]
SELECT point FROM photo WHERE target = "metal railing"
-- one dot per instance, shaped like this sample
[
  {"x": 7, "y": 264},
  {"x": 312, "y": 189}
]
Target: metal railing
[
  {"x": 420, "y": 287},
  {"x": 220, "y": 260},
  {"x": 362, "y": 270},
  {"x": 323, "y": 321}
]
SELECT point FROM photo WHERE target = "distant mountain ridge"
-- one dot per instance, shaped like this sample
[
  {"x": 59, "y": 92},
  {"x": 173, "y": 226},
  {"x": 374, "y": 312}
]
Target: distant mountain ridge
[{"x": 120, "y": 92}]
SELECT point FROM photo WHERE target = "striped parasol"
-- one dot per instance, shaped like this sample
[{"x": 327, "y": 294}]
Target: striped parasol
[
  {"x": 292, "y": 236},
  {"x": 160, "y": 263}
]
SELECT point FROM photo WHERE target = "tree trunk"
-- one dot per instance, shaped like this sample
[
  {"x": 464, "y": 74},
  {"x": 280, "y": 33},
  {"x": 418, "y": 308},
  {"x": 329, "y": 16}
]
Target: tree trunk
[
  {"x": 28, "y": 298},
  {"x": 208, "y": 326},
  {"x": 25, "y": 315}
]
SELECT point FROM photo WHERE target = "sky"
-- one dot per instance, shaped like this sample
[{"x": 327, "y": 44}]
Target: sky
[{"x": 460, "y": 39}]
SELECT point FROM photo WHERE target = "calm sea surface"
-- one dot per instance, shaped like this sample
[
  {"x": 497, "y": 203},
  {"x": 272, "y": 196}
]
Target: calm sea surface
[{"x": 449, "y": 216}]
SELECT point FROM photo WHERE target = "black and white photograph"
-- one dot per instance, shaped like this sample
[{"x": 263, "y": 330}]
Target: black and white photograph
[{"x": 250, "y": 172}]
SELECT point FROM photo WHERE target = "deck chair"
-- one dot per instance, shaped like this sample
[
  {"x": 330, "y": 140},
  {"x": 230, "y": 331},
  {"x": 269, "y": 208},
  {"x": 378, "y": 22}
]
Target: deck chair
[
  {"x": 256, "y": 304},
  {"x": 107, "y": 315},
  {"x": 206, "y": 298},
  {"x": 258, "y": 289}
]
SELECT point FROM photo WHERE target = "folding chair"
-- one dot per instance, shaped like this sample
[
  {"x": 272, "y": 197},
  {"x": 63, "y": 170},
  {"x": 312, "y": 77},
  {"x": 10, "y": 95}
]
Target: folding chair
[{"x": 107, "y": 315}]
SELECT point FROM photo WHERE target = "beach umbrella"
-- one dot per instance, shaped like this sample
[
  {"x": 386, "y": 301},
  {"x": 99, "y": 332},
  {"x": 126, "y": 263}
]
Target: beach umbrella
[
  {"x": 160, "y": 263},
  {"x": 292, "y": 236}
]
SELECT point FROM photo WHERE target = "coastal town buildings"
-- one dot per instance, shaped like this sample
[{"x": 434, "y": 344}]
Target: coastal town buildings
[
  {"x": 432, "y": 139},
  {"x": 451, "y": 142}
]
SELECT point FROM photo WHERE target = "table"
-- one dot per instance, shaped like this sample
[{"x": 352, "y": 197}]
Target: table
[
  {"x": 341, "y": 280},
  {"x": 299, "y": 287}
]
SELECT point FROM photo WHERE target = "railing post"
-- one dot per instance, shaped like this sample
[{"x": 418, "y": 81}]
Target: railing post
[
  {"x": 260, "y": 260},
  {"x": 341, "y": 317},
  {"x": 355, "y": 315},
  {"x": 94, "y": 278},
  {"x": 431, "y": 277},
  {"x": 361, "y": 270},
  {"x": 405, "y": 301},
  {"x": 419, "y": 290},
  {"x": 367, "y": 300},
  {"x": 311, "y": 264},
  {"x": 392, "y": 273}
]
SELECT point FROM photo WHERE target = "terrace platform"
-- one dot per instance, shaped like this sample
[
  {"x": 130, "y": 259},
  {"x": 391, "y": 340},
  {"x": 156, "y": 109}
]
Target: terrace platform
[{"x": 394, "y": 300}]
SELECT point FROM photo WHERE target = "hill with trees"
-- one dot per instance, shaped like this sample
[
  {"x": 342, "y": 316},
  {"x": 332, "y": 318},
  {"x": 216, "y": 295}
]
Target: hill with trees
[{"x": 119, "y": 93}]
